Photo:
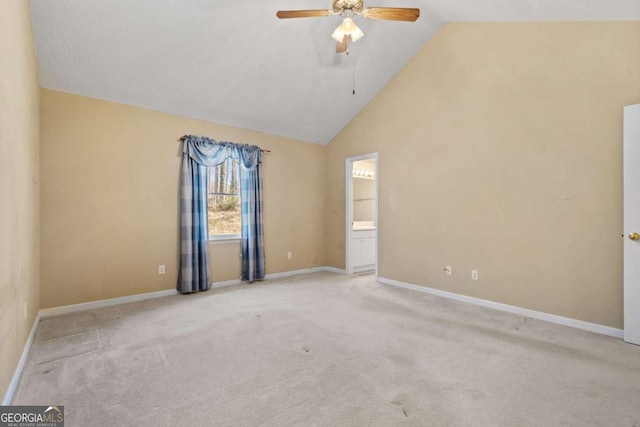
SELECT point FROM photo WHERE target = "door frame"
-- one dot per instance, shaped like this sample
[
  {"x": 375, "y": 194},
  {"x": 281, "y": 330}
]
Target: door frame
[
  {"x": 349, "y": 207},
  {"x": 631, "y": 223}
]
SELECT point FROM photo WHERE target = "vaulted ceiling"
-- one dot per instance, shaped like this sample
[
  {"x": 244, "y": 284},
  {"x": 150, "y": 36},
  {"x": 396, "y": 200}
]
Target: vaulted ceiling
[{"x": 233, "y": 62}]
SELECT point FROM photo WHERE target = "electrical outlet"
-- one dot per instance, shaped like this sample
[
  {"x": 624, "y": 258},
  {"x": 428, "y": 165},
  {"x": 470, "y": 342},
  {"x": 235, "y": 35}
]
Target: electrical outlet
[
  {"x": 448, "y": 270},
  {"x": 25, "y": 310},
  {"x": 289, "y": 255},
  {"x": 474, "y": 274},
  {"x": 161, "y": 269}
]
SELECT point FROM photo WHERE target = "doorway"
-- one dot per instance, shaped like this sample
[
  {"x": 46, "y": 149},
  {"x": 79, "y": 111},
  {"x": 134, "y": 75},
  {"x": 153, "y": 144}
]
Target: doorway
[{"x": 361, "y": 227}]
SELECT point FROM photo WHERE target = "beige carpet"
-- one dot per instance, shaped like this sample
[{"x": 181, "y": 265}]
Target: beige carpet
[{"x": 326, "y": 350}]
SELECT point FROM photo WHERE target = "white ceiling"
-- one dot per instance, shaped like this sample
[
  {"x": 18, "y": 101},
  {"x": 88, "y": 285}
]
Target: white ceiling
[{"x": 234, "y": 62}]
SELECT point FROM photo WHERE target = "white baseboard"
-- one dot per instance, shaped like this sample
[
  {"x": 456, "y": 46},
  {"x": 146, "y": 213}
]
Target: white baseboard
[
  {"x": 280, "y": 275},
  {"x": 224, "y": 284},
  {"x": 305, "y": 271},
  {"x": 335, "y": 270},
  {"x": 46, "y": 312},
  {"x": 8, "y": 397},
  {"x": 293, "y": 273},
  {"x": 552, "y": 318}
]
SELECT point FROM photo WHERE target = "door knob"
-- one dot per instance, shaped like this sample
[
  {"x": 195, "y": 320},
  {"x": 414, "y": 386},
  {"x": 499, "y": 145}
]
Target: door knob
[{"x": 634, "y": 236}]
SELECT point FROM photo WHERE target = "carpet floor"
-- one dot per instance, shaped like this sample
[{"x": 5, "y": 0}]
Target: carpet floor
[{"x": 326, "y": 350}]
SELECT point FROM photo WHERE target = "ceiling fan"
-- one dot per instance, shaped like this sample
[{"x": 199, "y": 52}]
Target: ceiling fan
[{"x": 348, "y": 9}]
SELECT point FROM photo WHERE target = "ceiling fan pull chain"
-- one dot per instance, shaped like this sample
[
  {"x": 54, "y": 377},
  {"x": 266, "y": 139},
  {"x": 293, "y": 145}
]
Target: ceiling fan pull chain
[{"x": 354, "y": 77}]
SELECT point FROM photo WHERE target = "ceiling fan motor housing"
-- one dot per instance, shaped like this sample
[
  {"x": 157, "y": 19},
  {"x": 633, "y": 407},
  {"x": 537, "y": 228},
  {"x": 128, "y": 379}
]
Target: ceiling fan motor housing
[{"x": 354, "y": 5}]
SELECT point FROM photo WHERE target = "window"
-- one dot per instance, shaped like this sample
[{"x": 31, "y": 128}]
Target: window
[{"x": 224, "y": 200}]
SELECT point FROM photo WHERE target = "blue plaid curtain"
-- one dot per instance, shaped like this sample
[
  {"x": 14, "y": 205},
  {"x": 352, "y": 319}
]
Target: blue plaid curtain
[
  {"x": 198, "y": 153},
  {"x": 194, "y": 234},
  {"x": 252, "y": 232}
]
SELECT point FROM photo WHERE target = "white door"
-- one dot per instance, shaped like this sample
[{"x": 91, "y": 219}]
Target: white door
[{"x": 632, "y": 224}]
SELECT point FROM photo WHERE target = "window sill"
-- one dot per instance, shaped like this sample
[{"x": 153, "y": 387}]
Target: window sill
[{"x": 221, "y": 240}]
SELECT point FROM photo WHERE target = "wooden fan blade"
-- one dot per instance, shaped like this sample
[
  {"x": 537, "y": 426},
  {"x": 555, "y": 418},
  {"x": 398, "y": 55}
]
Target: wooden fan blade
[
  {"x": 283, "y": 14},
  {"x": 343, "y": 45},
  {"x": 392, "y": 13}
]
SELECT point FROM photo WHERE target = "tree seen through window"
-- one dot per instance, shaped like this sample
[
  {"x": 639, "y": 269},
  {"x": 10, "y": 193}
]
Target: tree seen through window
[{"x": 224, "y": 199}]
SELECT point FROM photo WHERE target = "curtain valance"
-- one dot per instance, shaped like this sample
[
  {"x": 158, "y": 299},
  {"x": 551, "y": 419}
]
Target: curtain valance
[{"x": 209, "y": 152}]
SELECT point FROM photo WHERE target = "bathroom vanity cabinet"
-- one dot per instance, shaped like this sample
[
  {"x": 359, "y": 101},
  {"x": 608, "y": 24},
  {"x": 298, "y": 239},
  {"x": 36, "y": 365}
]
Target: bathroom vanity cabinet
[{"x": 363, "y": 250}]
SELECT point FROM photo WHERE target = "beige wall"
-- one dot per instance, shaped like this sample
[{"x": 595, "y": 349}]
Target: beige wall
[
  {"x": 501, "y": 150},
  {"x": 110, "y": 177},
  {"x": 19, "y": 181}
]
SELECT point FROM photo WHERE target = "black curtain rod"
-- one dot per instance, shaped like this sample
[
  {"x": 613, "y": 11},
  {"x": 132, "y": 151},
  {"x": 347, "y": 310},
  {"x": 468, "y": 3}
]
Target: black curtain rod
[{"x": 183, "y": 137}]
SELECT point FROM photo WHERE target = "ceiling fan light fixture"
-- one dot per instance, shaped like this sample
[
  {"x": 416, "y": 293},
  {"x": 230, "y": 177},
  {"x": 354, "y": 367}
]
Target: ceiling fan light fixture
[
  {"x": 356, "y": 34},
  {"x": 338, "y": 34},
  {"x": 349, "y": 28}
]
